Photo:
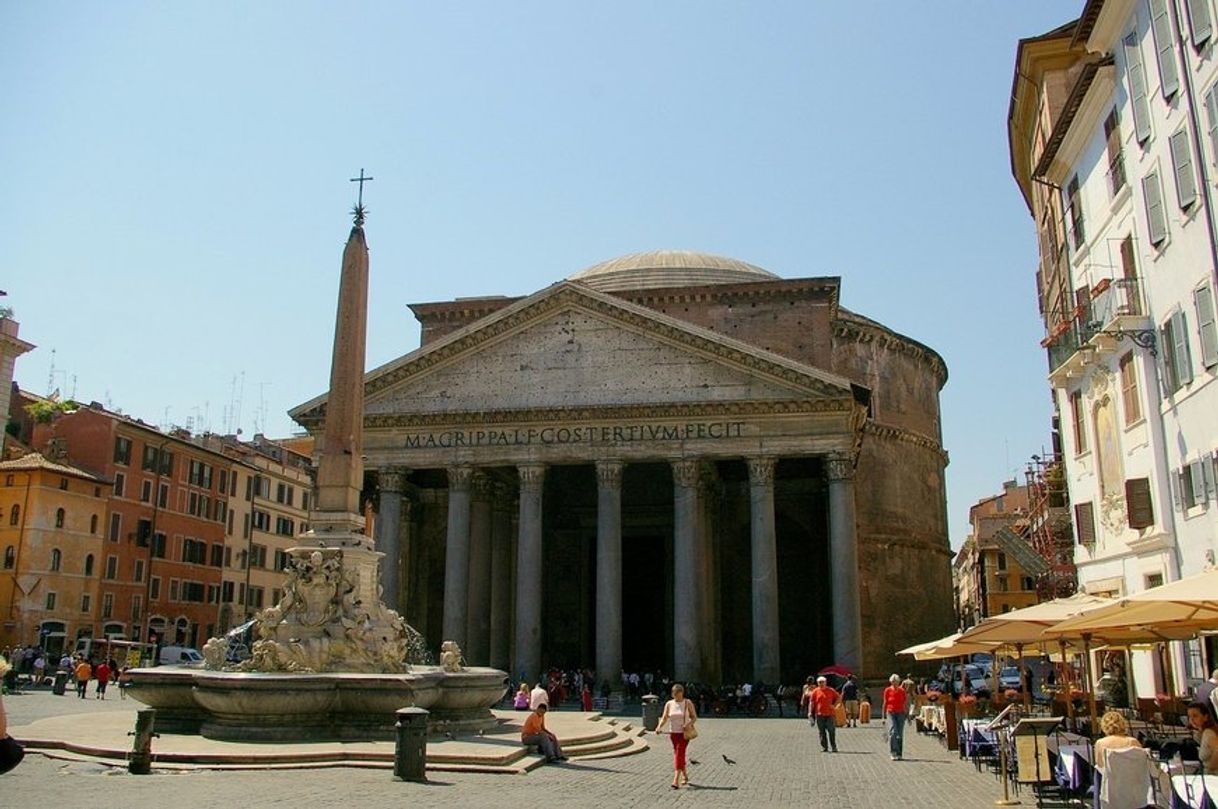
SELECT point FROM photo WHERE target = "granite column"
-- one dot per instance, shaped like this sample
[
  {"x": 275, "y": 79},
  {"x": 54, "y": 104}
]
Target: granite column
[
  {"x": 478, "y": 621},
  {"x": 501, "y": 578},
  {"x": 687, "y": 652},
  {"x": 766, "y": 659},
  {"x": 843, "y": 562},
  {"x": 609, "y": 573},
  {"x": 388, "y": 535},
  {"x": 456, "y": 555},
  {"x": 529, "y": 572}
]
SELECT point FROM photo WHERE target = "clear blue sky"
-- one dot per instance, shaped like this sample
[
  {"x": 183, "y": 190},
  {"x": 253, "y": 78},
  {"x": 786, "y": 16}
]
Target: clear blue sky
[{"x": 174, "y": 195}]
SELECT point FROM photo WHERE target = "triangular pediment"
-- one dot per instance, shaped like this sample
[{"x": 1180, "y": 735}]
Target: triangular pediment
[{"x": 570, "y": 347}]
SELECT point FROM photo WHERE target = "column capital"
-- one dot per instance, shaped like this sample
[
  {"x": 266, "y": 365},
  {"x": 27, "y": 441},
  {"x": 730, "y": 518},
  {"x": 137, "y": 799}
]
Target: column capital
[
  {"x": 685, "y": 472},
  {"x": 839, "y": 466},
  {"x": 501, "y": 496},
  {"x": 609, "y": 474},
  {"x": 532, "y": 476},
  {"x": 761, "y": 471},
  {"x": 459, "y": 477},
  {"x": 482, "y": 485},
  {"x": 392, "y": 478}
]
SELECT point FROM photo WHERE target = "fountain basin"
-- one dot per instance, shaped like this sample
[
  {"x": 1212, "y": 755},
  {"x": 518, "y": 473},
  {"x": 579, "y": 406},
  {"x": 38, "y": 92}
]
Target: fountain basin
[{"x": 330, "y": 706}]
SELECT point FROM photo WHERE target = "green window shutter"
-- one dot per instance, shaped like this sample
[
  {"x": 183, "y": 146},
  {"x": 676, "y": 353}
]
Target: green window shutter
[
  {"x": 1156, "y": 217},
  {"x": 1207, "y": 329},
  {"x": 1182, "y": 165},
  {"x": 1201, "y": 21},
  {"x": 1211, "y": 117},
  {"x": 1136, "y": 72},
  {"x": 1139, "y": 508},
  {"x": 1197, "y": 479},
  {"x": 1167, "y": 371},
  {"x": 1160, "y": 26},
  {"x": 1206, "y": 469},
  {"x": 1180, "y": 353},
  {"x": 1176, "y": 480}
]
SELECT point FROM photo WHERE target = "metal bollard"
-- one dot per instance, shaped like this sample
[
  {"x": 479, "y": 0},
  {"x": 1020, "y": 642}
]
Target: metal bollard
[
  {"x": 141, "y": 747},
  {"x": 410, "y": 755}
]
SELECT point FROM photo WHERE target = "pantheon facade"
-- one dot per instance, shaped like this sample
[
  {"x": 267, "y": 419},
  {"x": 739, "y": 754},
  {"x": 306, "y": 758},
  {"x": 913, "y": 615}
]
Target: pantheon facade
[{"x": 669, "y": 461}]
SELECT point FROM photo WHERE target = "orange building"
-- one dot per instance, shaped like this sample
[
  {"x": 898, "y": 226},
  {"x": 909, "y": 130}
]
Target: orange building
[
  {"x": 989, "y": 577},
  {"x": 52, "y": 517},
  {"x": 164, "y": 534}
]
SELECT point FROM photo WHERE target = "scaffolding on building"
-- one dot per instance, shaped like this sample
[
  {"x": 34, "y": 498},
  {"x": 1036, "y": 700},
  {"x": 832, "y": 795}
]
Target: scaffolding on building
[{"x": 1048, "y": 528}]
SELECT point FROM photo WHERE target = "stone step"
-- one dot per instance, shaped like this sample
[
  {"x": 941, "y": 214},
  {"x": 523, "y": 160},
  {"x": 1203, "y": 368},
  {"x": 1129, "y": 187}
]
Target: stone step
[{"x": 633, "y": 745}]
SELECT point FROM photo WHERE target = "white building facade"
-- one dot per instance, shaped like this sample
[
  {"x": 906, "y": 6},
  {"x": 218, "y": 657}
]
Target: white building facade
[{"x": 1132, "y": 154}]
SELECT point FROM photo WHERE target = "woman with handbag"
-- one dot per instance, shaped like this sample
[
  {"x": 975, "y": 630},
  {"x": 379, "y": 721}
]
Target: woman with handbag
[{"x": 681, "y": 718}]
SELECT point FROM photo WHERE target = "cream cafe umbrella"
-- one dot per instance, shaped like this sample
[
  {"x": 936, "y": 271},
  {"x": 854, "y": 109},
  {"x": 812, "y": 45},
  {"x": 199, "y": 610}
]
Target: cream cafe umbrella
[{"x": 1177, "y": 610}]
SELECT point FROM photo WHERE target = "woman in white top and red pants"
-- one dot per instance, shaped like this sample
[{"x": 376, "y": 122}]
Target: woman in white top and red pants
[{"x": 679, "y": 714}]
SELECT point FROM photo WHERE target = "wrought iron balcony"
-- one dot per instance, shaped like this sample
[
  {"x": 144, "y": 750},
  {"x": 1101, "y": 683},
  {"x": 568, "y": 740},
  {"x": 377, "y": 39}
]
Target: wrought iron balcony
[{"x": 1115, "y": 312}]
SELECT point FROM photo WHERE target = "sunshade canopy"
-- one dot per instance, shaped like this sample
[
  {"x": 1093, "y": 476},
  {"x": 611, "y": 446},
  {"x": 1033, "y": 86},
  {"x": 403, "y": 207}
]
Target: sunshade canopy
[
  {"x": 1179, "y": 609},
  {"x": 1027, "y": 626}
]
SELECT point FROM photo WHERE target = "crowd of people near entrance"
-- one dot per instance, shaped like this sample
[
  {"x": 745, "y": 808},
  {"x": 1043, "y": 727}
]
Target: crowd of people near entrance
[{"x": 36, "y": 667}]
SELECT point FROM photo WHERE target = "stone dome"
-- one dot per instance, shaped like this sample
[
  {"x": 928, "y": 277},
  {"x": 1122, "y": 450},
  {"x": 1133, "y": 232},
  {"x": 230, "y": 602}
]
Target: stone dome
[{"x": 668, "y": 268}]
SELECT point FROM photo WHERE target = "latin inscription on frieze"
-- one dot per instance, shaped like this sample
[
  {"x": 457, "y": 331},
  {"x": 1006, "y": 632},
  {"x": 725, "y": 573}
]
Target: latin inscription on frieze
[{"x": 617, "y": 434}]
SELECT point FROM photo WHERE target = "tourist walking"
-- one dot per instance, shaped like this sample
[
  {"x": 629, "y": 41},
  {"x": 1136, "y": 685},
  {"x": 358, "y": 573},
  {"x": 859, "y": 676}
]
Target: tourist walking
[
  {"x": 680, "y": 716},
  {"x": 534, "y": 732},
  {"x": 822, "y": 709},
  {"x": 84, "y": 672},
  {"x": 896, "y": 708},
  {"x": 850, "y": 696},
  {"x": 103, "y": 678}
]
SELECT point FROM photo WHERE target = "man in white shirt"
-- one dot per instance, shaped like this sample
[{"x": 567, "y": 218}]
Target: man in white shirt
[{"x": 538, "y": 696}]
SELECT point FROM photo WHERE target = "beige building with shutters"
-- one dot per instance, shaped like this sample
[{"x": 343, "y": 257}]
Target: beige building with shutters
[
  {"x": 269, "y": 491},
  {"x": 1114, "y": 144}
]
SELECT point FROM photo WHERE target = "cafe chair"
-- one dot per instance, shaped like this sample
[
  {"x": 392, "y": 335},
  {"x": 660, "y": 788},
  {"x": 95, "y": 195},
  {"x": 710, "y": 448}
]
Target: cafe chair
[{"x": 1129, "y": 780}]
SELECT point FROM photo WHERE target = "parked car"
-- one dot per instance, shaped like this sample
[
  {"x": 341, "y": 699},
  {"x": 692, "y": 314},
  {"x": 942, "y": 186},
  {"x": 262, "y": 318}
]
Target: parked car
[
  {"x": 181, "y": 656},
  {"x": 1010, "y": 677},
  {"x": 949, "y": 680}
]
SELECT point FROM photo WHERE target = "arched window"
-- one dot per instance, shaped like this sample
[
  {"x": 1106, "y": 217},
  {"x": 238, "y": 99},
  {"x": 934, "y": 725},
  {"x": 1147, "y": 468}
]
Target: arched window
[
  {"x": 59, "y": 517},
  {"x": 56, "y": 559},
  {"x": 14, "y": 516},
  {"x": 93, "y": 524},
  {"x": 89, "y": 565},
  {"x": 10, "y": 557}
]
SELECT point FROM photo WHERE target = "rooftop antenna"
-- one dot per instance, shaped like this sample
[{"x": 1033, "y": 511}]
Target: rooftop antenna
[{"x": 260, "y": 419}]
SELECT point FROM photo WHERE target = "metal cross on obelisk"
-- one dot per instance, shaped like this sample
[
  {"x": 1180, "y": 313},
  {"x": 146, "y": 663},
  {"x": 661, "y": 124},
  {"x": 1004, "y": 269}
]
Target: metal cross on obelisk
[{"x": 359, "y": 206}]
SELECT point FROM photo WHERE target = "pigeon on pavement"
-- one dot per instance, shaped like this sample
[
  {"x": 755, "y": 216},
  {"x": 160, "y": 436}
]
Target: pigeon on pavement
[{"x": 727, "y": 760}]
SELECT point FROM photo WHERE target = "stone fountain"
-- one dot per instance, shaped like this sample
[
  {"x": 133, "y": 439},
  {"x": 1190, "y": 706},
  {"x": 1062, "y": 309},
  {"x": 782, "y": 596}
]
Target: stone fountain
[{"x": 330, "y": 661}]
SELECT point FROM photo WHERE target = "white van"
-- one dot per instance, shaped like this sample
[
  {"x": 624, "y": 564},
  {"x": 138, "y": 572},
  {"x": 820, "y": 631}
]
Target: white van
[{"x": 181, "y": 656}]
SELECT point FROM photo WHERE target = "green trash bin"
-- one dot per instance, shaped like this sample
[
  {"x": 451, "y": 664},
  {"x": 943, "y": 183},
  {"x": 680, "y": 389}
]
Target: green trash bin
[
  {"x": 651, "y": 712},
  {"x": 61, "y": 684}
]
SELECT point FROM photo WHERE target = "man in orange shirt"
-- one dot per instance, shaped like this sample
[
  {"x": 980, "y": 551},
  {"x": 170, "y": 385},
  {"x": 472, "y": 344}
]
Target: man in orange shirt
[
  {"x": 534, "y": 732},
  {"x": 84, "y": 672},
  {"x": 822, "y": 710}
]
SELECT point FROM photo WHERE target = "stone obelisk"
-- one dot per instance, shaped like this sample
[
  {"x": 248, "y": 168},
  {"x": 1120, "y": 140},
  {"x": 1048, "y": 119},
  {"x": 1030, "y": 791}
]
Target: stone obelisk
[
  {"x": 340, "y": 471},
  {"x": 331, "y": 617}
]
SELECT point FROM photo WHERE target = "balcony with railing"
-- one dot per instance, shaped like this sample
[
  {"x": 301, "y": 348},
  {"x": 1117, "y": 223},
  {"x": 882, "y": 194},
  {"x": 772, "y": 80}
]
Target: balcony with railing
[{"x": 1114, "y": 312}]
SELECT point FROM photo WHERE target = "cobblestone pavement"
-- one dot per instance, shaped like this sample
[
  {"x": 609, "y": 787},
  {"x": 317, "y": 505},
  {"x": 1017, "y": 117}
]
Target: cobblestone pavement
[{"x": 778, "y": 763}]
